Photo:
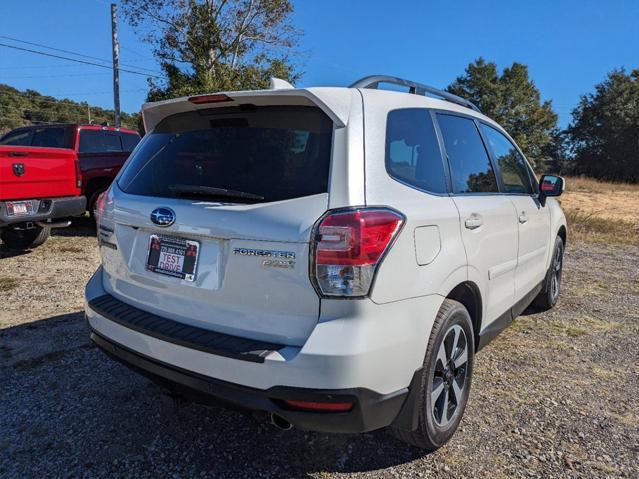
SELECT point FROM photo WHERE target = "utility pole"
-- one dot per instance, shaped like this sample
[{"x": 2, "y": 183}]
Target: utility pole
[{"x": 116, "y": 66}]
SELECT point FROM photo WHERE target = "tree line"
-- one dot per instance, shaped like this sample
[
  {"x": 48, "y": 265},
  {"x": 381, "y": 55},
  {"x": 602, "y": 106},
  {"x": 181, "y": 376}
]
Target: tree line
[
  {"x": 222, "y": 45},
  {"x": 20, "y": 108},
  {"x": 602, "y": 140}
]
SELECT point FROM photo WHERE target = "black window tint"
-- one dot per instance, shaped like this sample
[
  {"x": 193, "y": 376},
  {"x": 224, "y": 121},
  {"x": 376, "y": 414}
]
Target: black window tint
[
  {"x": 412, "y": 151},
  {"x": 98, "y": 141},
  {"x": 470, "y": 165},
  {"x": 18, "y": 138},
  {"x": 512, "y": 166},
  {"x": 129, "y": 141},
  {"x": 49, "y": 137},
  {"x": 277, "y": 153}
]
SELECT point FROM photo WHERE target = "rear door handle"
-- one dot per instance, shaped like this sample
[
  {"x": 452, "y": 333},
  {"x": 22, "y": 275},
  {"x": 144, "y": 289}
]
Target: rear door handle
[
  {"x": 473, "y": 222},
  {"x": 523, "y": 218}
]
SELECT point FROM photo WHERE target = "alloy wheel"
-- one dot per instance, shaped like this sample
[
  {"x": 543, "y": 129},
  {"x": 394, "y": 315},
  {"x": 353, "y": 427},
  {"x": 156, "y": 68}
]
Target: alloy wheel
[
  {"x": 555, "y": 280},
  {"x": 449, "y": 377}
]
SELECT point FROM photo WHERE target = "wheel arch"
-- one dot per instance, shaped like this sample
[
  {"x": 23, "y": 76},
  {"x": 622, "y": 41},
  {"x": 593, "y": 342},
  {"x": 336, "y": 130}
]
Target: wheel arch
[
  {"x": 96, "y": 184},
  {"x": 468, "y": 294}
]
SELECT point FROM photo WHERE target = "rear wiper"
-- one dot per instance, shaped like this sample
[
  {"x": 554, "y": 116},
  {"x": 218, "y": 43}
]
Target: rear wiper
[{"x": 211, "y": 191}]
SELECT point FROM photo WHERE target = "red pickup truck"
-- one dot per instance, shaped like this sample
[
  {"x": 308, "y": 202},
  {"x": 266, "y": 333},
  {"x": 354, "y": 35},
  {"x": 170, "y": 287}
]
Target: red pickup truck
[{"x": 49, "y": 173}]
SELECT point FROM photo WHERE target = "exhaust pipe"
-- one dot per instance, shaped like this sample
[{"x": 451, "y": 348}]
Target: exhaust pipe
[
  {"x": 59, "y": 224},
  {"x": 280, "y": 423}
]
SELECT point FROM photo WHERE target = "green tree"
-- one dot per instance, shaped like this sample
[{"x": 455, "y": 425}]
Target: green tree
[
  {"x": 512, "y": 100},
  {"x": 215, "y": 45},
  {"x": 604, "y": 134}
]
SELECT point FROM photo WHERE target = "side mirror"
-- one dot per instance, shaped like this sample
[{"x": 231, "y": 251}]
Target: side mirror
[{"x": 550, "y": 185}]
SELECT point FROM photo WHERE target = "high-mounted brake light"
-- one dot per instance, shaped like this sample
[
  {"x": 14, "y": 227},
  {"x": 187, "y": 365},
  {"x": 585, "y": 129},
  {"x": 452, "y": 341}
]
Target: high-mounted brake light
[
  {"x": 348, "y": 247},
  {"x": 201, "y": 99}
]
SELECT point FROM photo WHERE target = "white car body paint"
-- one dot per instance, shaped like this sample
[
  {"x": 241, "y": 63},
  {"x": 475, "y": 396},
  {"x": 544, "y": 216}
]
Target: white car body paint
[{"x": 377, "y": 342}]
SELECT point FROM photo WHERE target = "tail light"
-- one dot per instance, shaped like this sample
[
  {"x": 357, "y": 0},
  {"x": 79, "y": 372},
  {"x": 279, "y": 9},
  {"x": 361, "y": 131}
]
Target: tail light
[
  {"x": 78, "y": 174},
  {"x": 98, "y": 210},
  {"x": 348, "y": 247}
]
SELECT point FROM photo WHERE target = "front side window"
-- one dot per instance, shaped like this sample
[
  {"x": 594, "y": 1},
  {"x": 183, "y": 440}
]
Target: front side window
[
  {"x": 412, "y": 151},
  {"x": 512, "y": 166},
  {"x": 99, "y": 141},
  {"x": 256, "y": 154},
  {"x": 470, "y": 165}
]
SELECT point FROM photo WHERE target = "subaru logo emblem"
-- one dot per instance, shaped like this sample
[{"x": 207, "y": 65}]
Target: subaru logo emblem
[
  {"x": 163, "y": 216},
  {"x": 18, "y": 169}
]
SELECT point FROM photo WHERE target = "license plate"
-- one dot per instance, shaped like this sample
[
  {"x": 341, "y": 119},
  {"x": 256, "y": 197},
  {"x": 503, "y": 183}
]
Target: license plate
[
  {"x": 20, "y": 208},
  {"x": 175, "y": 257}
]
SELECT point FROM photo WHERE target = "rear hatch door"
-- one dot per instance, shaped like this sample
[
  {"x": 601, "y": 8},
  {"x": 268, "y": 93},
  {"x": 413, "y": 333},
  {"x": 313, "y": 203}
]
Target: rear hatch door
[{"x": 226, "y": 199}]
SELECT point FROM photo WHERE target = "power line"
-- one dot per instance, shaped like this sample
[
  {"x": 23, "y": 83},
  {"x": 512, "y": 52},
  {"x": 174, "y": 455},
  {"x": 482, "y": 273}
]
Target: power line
[
  {"x": 13, "y": 39},
  {"x": 78, "y": 61},
  {"x": 51, "y": 99},
  {"x": 55, "y": 76}
]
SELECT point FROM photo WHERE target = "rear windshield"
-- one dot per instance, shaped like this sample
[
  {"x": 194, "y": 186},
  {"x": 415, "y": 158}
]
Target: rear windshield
[
  {"x": 107, "y": 141},
  {"x": 238, "y": 154}
]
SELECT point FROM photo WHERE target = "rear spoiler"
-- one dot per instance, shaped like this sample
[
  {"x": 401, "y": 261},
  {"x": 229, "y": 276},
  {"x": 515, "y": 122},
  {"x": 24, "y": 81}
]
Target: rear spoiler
[{"x": 335, "y": 102}]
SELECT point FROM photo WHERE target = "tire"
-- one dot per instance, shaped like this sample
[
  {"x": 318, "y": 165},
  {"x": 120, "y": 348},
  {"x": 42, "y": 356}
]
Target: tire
[
  {"x": 439, "y": 383},
  {"x": 25, "y": 239},
  {"x": 549, "y": 294}
]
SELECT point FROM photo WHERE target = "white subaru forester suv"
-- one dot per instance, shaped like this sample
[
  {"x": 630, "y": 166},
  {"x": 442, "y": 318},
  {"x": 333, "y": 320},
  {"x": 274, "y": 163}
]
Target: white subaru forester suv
[{"x": 332, "y": 257}]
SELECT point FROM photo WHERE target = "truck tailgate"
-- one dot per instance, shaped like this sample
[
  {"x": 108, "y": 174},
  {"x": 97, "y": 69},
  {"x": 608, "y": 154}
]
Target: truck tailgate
[{"x": 34, "y": 172}]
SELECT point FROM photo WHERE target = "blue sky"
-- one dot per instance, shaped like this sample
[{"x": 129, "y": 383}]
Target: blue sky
[{"x": 569, "y": 45}]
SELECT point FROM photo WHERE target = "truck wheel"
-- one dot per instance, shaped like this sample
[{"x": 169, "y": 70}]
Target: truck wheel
[
  {"x": 24, "y": 239},
  {"x": 446, "y": 378},
  {"x": 549, "y": 294}
]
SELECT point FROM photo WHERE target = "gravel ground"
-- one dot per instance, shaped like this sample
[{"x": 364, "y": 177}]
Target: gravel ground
[{"x": 554, "y": 396}]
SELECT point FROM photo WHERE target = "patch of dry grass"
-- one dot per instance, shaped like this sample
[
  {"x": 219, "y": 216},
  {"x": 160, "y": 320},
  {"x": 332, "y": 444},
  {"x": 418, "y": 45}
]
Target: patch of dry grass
[
  {"x": 602, "y": 211},
  {"x": 582, "y": 183},
  {"x": 7, "y": 284}
]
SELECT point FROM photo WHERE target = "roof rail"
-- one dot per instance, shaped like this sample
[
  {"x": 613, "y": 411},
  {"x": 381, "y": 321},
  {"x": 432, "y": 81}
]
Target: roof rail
[{"x": 373, "y": 81}]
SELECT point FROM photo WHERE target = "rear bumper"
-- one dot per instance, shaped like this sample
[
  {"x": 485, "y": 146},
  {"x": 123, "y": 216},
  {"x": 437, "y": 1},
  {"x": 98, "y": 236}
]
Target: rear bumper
[
  {"x": 360, "y": 350},
  {"x": 49, "y": 208},
  {"x": 370, "y": 411}
]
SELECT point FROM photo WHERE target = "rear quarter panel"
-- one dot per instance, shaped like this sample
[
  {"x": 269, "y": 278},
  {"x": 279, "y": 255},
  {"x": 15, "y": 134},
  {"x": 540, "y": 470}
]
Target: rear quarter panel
[{"x": 428, "y": 256}]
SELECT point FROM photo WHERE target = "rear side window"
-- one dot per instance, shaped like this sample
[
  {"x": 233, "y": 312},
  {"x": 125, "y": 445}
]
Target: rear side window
[
  {"x": 512, "y": 166},
  {"x": 17, "y": 138},
  {"x": 470, "y": 165},
  {"x": 266, "y": 153},
  {"x": 99, "y": 141},
  {"x": 412, "y": 151},
  {"x": 129, "y": 141},
  {"x": 48, "y": 137}
]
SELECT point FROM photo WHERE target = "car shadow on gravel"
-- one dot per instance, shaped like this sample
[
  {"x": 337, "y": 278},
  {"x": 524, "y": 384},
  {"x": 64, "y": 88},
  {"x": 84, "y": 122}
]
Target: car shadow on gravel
[
  {"x": 83, "y": 226},
  {"x": 6, "y": 252},
  {"x": 80, "y": 226},
  {"x": 65, "y": 406}
]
